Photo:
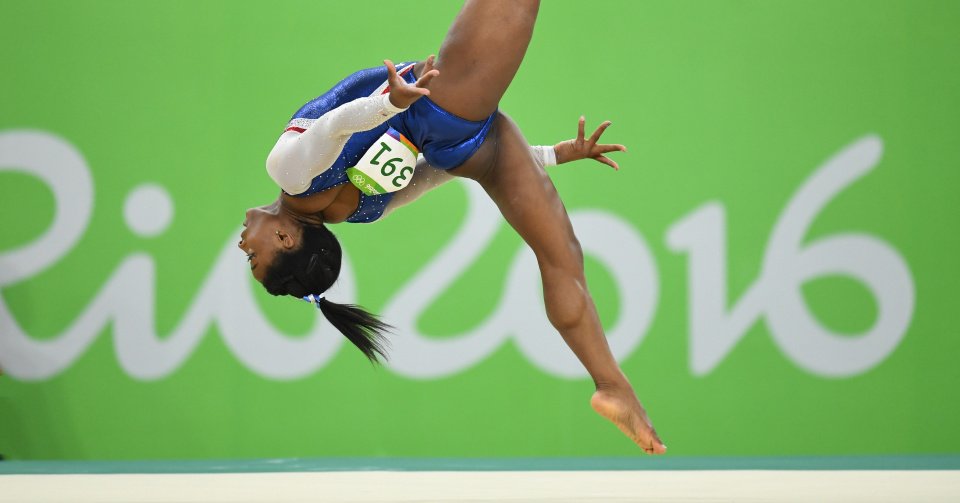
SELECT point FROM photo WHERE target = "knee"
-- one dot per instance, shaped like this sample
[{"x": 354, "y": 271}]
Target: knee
[
  {"x": 567, "y": 306},
  {"x": 566, "y": 258},
  {"x": 566, "y": 295},
  {"x": 576, "y": 252}
]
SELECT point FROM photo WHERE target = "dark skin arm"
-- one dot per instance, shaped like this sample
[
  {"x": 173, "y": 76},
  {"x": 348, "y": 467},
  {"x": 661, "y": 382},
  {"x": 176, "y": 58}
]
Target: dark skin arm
[
  {"x": 426, "y": 177},
  {"x": 588, "y": 148}
]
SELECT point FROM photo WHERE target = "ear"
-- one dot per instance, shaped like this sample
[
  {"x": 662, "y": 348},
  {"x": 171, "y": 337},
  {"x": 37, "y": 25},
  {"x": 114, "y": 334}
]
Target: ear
[{"x": 287, "y": 241}]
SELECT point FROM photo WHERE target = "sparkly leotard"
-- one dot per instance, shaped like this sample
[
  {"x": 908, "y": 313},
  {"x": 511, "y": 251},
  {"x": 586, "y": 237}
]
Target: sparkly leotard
[{"x": 445, "y": 139}]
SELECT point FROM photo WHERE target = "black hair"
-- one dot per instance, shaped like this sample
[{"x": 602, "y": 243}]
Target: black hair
[{"x": 310, "y": 270}]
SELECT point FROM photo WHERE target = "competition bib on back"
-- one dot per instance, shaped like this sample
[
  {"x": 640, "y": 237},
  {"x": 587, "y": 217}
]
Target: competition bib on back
[{"x": 386, "y": 167}]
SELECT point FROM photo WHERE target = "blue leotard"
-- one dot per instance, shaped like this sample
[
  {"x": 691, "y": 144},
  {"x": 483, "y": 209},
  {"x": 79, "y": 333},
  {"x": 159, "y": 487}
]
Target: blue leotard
[{"x": 446, "y": 140}]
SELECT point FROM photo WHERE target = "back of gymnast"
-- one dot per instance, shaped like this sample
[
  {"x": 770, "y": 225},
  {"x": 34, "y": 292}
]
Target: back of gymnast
[{"x": 350, "y": 155}]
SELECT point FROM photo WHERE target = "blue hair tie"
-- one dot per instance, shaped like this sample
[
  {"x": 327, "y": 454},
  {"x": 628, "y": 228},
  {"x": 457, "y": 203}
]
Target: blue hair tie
[{"x": 314, "y": 299}]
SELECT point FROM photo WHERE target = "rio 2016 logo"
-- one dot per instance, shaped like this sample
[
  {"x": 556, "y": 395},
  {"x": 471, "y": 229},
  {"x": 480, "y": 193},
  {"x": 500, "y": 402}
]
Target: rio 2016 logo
[{"x": 225, "y": 297}]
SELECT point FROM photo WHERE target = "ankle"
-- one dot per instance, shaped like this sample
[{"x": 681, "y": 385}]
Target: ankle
[{"x": 613, "y": 384}]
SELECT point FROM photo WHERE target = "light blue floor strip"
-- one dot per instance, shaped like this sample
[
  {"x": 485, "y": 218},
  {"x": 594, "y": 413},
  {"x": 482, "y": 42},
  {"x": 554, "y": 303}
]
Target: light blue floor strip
[{"x": 900, "y": 462}]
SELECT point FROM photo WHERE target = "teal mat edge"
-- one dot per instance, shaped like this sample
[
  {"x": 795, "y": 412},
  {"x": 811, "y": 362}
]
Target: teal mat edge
[{"x": 899, "y": 462}]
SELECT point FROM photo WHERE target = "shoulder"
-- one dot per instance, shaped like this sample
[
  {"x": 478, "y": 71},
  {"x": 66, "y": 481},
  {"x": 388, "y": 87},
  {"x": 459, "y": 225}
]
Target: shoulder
[
  {"x": 359, "y": 84},
  {"x": 356, "y": 85}
]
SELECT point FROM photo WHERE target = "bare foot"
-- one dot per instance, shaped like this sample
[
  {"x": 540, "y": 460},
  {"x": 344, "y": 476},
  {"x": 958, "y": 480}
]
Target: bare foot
[{"x": 625, "y": 411}]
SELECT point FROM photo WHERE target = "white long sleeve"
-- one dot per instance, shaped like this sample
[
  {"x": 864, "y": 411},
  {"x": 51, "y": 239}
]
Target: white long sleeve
[
  {"x": 298, "y": 157},
  {"x": 544, "y": 155}
]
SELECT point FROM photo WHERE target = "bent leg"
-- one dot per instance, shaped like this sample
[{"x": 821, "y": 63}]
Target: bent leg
[
  {"x": 530, "y": 203},
  {"x": 480, "y": 55}
]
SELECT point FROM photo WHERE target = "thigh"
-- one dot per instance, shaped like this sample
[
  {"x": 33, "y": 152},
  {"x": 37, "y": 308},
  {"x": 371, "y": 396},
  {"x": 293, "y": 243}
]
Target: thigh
[
  {"x": 525, "y": 195},
  {"x": 481, "y": 54}
]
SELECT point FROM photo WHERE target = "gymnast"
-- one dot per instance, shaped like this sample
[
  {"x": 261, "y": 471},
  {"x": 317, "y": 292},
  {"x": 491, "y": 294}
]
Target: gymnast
[{"x": 382, "y": 137}]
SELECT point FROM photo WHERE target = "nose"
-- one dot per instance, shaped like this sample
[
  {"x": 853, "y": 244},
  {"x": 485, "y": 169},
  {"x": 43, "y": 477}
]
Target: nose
[{"x": 243, "y": 236}]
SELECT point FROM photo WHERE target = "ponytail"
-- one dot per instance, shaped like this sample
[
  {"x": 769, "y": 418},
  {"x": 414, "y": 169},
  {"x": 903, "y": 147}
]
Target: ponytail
[
  {"x": 314, "y": 267},
  {"x": 362, "y": 328}
]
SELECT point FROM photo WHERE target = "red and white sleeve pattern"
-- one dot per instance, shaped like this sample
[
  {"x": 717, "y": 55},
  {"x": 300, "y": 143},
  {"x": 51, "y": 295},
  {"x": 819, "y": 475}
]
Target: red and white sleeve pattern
[{"x": 308, "y": 147}]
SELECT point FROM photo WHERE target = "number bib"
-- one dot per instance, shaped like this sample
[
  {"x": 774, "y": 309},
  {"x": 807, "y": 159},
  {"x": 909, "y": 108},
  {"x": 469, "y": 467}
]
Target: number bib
[{"x": 386, "y": 167}]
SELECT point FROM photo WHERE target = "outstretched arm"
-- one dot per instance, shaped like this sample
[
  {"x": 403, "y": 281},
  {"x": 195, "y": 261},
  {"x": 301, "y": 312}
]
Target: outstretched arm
[
  {"x": 298, "y": 157},
  {"x": 588, "y": 148},
  {"x": 427, "y": 178}
]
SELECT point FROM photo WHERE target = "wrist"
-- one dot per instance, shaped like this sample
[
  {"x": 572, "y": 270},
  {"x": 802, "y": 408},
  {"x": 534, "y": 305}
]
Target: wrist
[
  {"x": 558, "y": 153},
  {"x": 551, "y": 155},
  {"x": 544, "y": 155},
  {"x": 390, "y": 105}
]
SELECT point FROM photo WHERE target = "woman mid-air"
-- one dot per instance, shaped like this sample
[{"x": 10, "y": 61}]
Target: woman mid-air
[{"x": 351, "y": 155}]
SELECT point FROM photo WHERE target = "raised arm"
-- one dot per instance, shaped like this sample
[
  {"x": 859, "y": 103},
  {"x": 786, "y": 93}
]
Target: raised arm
[
  {"x": 299, "y": 157},
  {"x": 427, "y": 178}
]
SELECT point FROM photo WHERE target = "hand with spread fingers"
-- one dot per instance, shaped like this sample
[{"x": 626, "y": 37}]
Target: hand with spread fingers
[
  {"x": 402, "y": 94},
  {"x": 581, "y": 148}
]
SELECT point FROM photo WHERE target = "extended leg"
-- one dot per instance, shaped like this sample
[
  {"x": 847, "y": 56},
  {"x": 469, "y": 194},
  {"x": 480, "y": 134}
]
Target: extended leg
[
  {"x": 530, "y": 203},
  {"x": 480, "y": 55}
]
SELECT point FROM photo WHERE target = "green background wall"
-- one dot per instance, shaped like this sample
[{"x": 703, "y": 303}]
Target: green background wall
[{"x": 734, "y": 105}]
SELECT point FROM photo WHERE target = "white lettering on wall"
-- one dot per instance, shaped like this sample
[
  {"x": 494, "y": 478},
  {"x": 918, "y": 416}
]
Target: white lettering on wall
[
  {"x": 226, "y": 299},
  {"x": 787, "y": 264}
]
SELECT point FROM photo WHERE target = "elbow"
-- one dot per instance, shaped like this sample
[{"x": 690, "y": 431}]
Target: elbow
[{"x": 288, "y": 179}]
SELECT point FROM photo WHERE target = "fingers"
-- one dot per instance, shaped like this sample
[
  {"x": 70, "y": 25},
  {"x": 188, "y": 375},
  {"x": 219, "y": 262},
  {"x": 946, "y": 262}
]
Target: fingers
[
  {"x": 596, "y": 134},
  {"x": 429, "y": 72},
  {"x": 597, "y": 150},
  {"x": 580, "y": 124},
  {"x": 426, "y": 78},
  {"x": 391, "y": 71},
  {"x": 604, "y": 148},
  {"x": 422, "y": 91},
  {"x": 606, "y": 160}
]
